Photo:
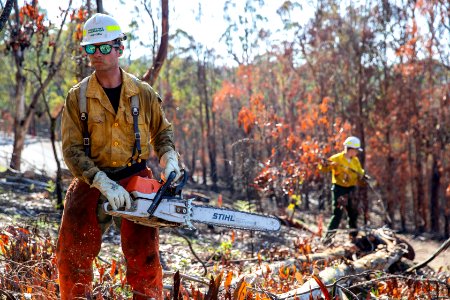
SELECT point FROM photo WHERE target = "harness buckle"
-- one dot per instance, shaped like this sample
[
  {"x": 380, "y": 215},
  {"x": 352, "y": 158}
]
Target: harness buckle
[
  {"x": 135, "y": 111},
  {"x": 137, "y": 135},
  {"x": 86, "y": 141}
]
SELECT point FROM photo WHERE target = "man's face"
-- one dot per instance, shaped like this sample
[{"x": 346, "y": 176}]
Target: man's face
[
  {"x": 101, "y": 60},
  {"x": 352, "y": 152}
]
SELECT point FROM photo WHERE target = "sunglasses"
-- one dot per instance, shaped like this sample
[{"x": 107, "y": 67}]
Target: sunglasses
[{"x": 104, "y": 48}]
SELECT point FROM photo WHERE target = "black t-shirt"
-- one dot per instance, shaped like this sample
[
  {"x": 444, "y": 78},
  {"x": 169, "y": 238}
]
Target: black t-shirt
[{"x": 114, "y": 96}]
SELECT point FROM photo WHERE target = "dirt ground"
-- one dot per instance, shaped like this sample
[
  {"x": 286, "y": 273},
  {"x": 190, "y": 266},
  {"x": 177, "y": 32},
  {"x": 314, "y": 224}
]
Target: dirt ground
[{"x": 424, "y": 248}]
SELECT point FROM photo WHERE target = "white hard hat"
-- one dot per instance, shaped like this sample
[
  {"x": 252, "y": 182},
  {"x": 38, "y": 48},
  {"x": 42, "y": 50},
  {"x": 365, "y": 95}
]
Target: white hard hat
[
  {"x": 100, "y": 28},
  {"x": 353, "y": 142}
]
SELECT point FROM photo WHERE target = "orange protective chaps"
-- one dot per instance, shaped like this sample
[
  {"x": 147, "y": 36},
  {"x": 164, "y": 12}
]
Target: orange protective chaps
[{"x": 80, "y": 240}]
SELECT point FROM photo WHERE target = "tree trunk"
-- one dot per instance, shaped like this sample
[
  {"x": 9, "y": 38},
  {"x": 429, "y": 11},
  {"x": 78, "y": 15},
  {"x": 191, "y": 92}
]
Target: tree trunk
[
  {"x": 402, "y": 199},
  {"x": 193, "y": 159},
  {"x": 5, "y": 13},
  {"x": 19, "y": 141},
  {"x": 447, "y": 223},
  {"x": 189, "y": 149},
  {"x": 362, "y": 92},
  {"x": 210, "y": 139},
  {"x": 202, "y": 144},
  {"x": 19, "y": 135},
  {"x": 59, "y": 189},
  {"x": 100, "y": 6},
  {"x": 226, "y": 160},
  {"x": 434, "y": 199},
  {"x": 23, "y": 119},
  {"x": 152, "y": 73},
  {"x": 415, "y": 205},
  {"x": 23, "y": 123},
  {"x": 419, "y": 182}
]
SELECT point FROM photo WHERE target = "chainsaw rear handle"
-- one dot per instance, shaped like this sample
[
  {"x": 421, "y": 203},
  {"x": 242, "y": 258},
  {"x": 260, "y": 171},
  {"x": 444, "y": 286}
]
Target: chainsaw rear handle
[{"x": 165, "y": 188}]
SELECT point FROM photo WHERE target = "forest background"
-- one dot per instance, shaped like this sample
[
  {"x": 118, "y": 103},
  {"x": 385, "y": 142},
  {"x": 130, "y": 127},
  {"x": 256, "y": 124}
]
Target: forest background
[{"x": 258, "y": 119}]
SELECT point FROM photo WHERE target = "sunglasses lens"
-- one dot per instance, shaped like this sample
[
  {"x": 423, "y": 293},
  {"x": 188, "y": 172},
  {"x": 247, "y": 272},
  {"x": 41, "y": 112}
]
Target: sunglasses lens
[
  {"x": 105, "y": 48},
  {"x": 90, "y": 49}
]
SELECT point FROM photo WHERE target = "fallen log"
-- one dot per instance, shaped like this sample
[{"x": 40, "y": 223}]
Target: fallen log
[
  {"x": 23, "y": 180},
  {"x": 380, "y": 260},
  {"x": 296, "y": 223},
  {"x": 328, "y": 255},
  {"x": 387, "y": 250}
]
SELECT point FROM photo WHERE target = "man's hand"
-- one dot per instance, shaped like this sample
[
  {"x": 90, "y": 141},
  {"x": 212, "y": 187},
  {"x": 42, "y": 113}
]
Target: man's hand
[
  {"x": 325, "y": 165},
  {"x": 169, "y": 162},
  {"x": 117, "y": 196},
  {"x": 329, "y": 163}
]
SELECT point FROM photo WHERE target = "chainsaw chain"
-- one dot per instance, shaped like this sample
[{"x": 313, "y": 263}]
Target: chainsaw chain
[{"x": 228, "y": 226}]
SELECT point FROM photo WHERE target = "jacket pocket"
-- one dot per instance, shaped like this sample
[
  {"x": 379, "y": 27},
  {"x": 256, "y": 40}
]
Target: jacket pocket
[
  {"x": 97, "y": 119},
  {"x": 97, "y": 130}
]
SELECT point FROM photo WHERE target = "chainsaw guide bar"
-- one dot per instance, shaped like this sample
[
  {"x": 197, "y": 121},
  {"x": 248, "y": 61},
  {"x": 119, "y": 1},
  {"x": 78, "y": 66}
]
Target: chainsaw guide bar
[{"x": 165, "y": 207}]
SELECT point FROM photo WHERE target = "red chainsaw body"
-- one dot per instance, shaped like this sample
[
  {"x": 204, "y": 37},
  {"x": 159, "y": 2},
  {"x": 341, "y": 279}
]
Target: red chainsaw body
[{"x": 143, "y": 185}]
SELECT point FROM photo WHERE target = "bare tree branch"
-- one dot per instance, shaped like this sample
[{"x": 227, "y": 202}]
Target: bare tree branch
[
  {"x": 5, "y": 13},
  {"x": 152, "y": 73}
]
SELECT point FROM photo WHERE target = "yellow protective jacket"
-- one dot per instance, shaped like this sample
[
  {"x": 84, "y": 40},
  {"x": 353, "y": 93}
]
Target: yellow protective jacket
[
  {"x": 344, "y": 172},
  {"x": 112, "y": 135}
]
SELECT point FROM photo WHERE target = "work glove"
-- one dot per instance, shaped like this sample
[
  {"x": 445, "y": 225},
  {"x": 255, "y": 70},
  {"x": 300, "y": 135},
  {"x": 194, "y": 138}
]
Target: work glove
[
  {"x": 117, "y": 196},
  {"x": 169, "y": 162}
]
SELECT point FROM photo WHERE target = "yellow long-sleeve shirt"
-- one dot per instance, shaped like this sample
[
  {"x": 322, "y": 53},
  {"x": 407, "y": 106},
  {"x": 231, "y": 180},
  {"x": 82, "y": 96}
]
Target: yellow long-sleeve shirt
[
  {"x": 112, "y": 134},
  {"x": 344, "y": 172}
]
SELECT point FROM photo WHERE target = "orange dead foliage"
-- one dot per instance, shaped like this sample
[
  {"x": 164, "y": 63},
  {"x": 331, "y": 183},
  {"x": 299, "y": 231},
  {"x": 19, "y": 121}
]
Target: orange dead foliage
[
  {"x": 246, "y": 119},
  {"x": 227, "y": 93}
]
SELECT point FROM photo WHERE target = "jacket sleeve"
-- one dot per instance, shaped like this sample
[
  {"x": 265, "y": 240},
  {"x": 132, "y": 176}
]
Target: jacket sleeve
[
  {"x": 328, "y": 165},
  {"x": 361, "y": 173},
  {"x": 358, "y": 168},
  {"x": 324, "y": 168},
  {"x": 161, "y": 131},
  {"x": 75, "y": 158}
]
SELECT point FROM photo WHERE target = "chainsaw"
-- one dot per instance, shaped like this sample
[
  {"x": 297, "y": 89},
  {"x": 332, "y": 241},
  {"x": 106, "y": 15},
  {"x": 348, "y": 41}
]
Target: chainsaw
[{"x": 158, "y": 204}]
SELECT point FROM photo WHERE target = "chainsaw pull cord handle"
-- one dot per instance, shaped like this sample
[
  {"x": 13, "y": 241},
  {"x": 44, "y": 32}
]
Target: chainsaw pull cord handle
[{"x": 160, "y": 193}]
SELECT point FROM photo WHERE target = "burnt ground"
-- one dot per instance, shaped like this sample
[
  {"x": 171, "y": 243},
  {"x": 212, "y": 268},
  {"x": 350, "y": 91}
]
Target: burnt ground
[{"x": 35, "y": 207}]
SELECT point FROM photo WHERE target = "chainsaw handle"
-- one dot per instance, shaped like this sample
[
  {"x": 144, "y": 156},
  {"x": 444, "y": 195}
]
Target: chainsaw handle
[
  {"x": 173, "y": 191},
  {"x": 160, "y": 193},
  {"x": 180, "y": 186}
]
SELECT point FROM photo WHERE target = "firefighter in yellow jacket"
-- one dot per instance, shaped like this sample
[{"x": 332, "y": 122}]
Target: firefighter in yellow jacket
[
  {"x": 104, "y": 147},
  {"x": 346, "y": 174}
]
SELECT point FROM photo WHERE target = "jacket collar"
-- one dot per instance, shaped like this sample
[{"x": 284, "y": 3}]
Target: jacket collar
[{"x": 129, "y": 87}]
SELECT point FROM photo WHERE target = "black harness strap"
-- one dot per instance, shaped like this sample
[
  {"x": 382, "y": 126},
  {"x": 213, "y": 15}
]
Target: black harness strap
[
  {"x": 82, "y": 102},
  {"x": 137, "y": 134}
]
